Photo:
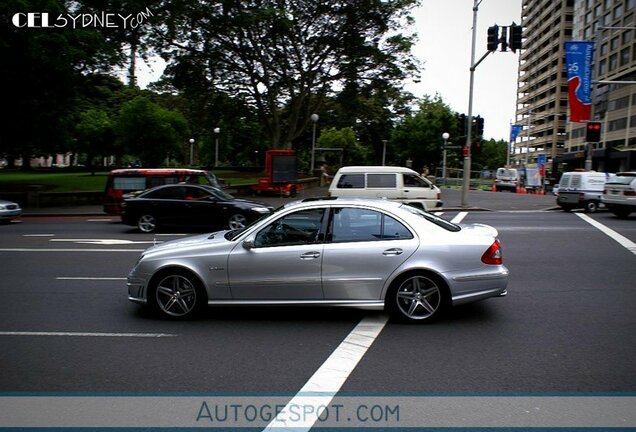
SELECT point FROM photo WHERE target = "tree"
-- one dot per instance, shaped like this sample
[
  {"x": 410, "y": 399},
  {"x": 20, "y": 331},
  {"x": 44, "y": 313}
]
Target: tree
[
  {"x": 352, "y": 152},
  {"x": 151, "y": 132},
  {"x": 419, "y": 137},
  {"x": 492, "y": 155},
  {"x": 284, "y": 57},
  {"x": 94, "y": 134}
]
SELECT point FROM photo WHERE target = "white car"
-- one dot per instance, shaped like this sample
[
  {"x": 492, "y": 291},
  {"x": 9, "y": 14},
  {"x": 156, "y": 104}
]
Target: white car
[
  {"x": 619, "y": 194},
  {"x": 371, "y": 254},
  {"x": 9, "y": 211}
]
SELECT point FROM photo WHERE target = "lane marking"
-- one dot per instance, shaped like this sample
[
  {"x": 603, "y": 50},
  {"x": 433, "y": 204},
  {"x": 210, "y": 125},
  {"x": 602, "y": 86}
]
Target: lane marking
[
  {"x": 438, "y": 213},
  {"x": 460, "y": 217},
  {"x": 86, "y": 334},
  {"x": 100, "y": 220},
  {"x": 107, "y": 242},
  {"x": 69, "y": 250},
  {"x": 325, "y": 383},
  {"x": 621, "y": 239},
  {"x": 91, "y": 278},
  {"x": 38, "y": 235}
]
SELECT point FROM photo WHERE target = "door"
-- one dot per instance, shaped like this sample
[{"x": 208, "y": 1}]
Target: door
[
  {"x": 364, "y": 248},
  {"x": 282, "y": 262}
]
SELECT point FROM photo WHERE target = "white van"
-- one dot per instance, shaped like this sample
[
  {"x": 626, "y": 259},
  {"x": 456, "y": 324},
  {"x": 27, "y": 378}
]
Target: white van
[
  {"x": 581, "y": 189},
  {"x": 397, "y": 183},
  {"x": 507, "y": 179}
]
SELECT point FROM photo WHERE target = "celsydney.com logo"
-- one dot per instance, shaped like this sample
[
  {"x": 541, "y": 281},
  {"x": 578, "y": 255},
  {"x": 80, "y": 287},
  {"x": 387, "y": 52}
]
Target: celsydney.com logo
[{"x": 94, "y": 20}]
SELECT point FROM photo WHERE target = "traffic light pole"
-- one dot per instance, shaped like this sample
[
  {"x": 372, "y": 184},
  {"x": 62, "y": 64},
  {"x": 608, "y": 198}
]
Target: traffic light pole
[{"x": 469, "y": 126}]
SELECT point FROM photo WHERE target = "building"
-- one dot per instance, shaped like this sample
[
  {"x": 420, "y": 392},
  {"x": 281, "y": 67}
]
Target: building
[
  {"x": 542, "y": 94},
  {"x": 542, "y": 99},
  {"x": 611, "y": 24}
]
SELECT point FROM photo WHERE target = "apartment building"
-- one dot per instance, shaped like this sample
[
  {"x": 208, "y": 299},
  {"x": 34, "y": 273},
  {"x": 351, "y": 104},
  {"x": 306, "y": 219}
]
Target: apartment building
[{"x": 542, "y": 99}]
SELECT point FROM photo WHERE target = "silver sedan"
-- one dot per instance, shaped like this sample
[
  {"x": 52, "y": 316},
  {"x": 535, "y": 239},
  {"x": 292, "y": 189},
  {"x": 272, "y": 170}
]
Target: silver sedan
[{"x": 371, "y": 254}]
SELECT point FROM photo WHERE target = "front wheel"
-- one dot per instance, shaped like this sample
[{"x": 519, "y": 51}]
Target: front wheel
[
  {"x": 176, "y": 294},
  {"x": 418, "y": 298}
]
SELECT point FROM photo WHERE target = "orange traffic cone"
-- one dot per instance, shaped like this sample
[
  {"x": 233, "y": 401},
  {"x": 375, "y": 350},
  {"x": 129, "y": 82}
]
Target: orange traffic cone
[{"x": 493, "y": 188}]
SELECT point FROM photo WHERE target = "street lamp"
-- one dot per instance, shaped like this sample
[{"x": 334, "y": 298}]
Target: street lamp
[
  {"x": 217, "y": 131},
  {"x": 191, "y": 151},
  {"x": 314, "y": 118},
  {"x": 445, "y": 137}
]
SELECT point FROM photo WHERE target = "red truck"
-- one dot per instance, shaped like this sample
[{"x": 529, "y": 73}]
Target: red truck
[{"x": 280, "y": 174}]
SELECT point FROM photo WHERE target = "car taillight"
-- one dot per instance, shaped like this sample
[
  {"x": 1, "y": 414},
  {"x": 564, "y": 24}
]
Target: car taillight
[
  {"x": 629, "y": 193},
  {"x": 493, "y": 255}
]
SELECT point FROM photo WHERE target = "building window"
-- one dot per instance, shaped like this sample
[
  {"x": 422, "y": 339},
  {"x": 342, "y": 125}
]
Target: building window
[
  {"x": 604, "y": 49},
  {"x": 627, "y": 36},
  {"x": 614, "y": 43},
  {"x": 618, "y": 12},
  {"x": 625, "y": 57},
  {"x": 602, "y": 70},
  {"x": 613, "y": 63}
]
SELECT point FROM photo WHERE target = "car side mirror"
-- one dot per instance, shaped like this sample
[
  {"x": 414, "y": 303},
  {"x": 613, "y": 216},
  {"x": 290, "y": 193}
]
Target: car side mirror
[{"x": 248, "y": 244}]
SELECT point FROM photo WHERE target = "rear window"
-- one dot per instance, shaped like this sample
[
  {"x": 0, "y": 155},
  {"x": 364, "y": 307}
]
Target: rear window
[
  {"x": 575, "y": 181},
  {"x": 442, "y": 223},
  {"x": 351, "y": 181},
  {"x": 129, "y": 183},
  {"x": 381, "y": 180},
  {"x": 623, "y": 179}
]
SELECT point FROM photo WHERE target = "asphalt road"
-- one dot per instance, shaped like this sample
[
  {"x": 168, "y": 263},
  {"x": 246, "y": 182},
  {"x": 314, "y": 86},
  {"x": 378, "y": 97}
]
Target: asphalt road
[{"x": 567, "y": 324}]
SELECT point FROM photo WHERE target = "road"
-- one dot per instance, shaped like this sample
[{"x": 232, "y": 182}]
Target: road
[{"x": 566, "y": 326}]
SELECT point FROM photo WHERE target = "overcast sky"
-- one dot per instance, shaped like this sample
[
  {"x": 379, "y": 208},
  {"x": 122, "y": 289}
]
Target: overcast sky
[{"x": 445, "y": 31}]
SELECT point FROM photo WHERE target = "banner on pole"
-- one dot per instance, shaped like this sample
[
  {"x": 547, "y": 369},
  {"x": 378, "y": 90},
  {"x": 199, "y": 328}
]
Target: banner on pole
[
  {"x": 514, "y": 132},
  {"x": 578, "y": 58}
]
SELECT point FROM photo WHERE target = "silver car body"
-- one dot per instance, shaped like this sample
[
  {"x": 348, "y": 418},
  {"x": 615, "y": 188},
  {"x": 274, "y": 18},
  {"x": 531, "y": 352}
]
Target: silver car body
[
  {"x": 8, "y": 211},
  {"x": 347, "y": 273}
]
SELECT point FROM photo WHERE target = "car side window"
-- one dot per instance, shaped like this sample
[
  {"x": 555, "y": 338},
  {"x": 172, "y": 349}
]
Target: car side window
[
  {"x": 412, "y": 180},
  {"x": 166, "y": 193},
  {"x": 356, "y": 225},
  {"x": 298, "y": 228}
]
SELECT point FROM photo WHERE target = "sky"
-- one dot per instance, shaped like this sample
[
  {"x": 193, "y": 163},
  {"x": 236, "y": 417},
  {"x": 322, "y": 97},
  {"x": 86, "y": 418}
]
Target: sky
[{"x": 444, "y": 28}]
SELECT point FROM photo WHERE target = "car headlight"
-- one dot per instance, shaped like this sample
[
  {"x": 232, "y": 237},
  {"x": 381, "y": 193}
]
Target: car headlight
[
  {"x": 2, "y": 207},
  {"x": 261, "y": 210}
]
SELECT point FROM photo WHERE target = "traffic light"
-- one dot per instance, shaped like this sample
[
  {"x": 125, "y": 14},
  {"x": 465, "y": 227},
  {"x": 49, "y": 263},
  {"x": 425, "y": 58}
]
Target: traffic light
[
  {"x": 479, "y": 126},
  {"x": 493, "y": 38},
  {"x": 461, "y": 125},
  {"x": 593, "y": 132},
  {"x": 516, "y": 33}
]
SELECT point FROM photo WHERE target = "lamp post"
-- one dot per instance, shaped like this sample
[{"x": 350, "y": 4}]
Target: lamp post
[
  {"x": 445, "y": 137},
  {"x": 217, "y": 131},
  {"x": 314, "y": 118},
  {"x": 191, "y": 151}
]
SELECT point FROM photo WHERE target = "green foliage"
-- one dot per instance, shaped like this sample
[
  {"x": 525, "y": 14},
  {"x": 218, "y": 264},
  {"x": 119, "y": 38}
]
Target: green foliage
[
  {"x": 352, "y": 152},
  {"x": 419, "y": 137},
  {"x": 490, "y": 156},
  {"x": 151, "y": 132}
]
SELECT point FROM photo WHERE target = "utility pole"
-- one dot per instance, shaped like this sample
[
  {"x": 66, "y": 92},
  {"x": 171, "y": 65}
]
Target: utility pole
[{"x": 469, "y": 126}]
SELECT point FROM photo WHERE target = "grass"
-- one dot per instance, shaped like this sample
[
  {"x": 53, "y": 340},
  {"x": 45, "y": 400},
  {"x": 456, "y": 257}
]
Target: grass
[{"x": 72, "y": 181}]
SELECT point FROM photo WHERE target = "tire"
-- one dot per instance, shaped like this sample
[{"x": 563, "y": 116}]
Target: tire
[
  {"x": 147, "y": 223},
  {"x": 418, "y": 298},
  {"x": 591, "y": 206},
  {"x": 292, "y": 192},
  {"x": 176, "y": 294},
  {"x": 237, "y": 221},
  {"x": 621, "y": 213}
]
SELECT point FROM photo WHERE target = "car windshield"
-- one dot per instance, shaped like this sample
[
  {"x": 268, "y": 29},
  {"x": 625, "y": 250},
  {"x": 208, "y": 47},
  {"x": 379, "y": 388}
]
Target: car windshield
[{"x": 449, "y": 226}]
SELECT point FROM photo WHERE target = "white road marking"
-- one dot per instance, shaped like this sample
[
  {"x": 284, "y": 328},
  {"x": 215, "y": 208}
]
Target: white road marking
[
  {"x": 38, "y": 235},
  {"x": 103, "y": 241},
  {"x": 460, "y": 217},
  {"x": 91, "y": 278},
  {"x": 438, "y": 213},
  {"x": 86, "y": 334},
  {"x": 622, "y": 240},
  {"x": 323, "y": 386},
  {"x": 99, "y": 220},
  {"x": 69, "y": 250}
]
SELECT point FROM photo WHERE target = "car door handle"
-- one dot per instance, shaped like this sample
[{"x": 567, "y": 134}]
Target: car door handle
[
  {"x": 310, "y": 255},
  {"x": 393, "y": 251}
]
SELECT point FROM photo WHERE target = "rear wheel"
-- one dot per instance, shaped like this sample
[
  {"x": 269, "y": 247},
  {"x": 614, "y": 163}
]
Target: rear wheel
[
  {"x": 176, "y": 294},
  {"x": 147, "y": 223},
  {"x": 621, "y": 213},
  {"x": 237, "y": 221},
  {"x": 591, "y": 206},
  {"x": 418, "y": 298}
]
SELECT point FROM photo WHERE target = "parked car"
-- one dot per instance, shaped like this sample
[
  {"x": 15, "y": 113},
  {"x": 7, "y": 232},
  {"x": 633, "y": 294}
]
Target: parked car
[
  {"x": 619, "y": 195},
  {"x": 365, "y": 253},
  {"x": 9, "y": 211},
  {"x": 189, "y": 205},
  {"x": 581, "y": 189},
  {"x": 396, "y": 183}
]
